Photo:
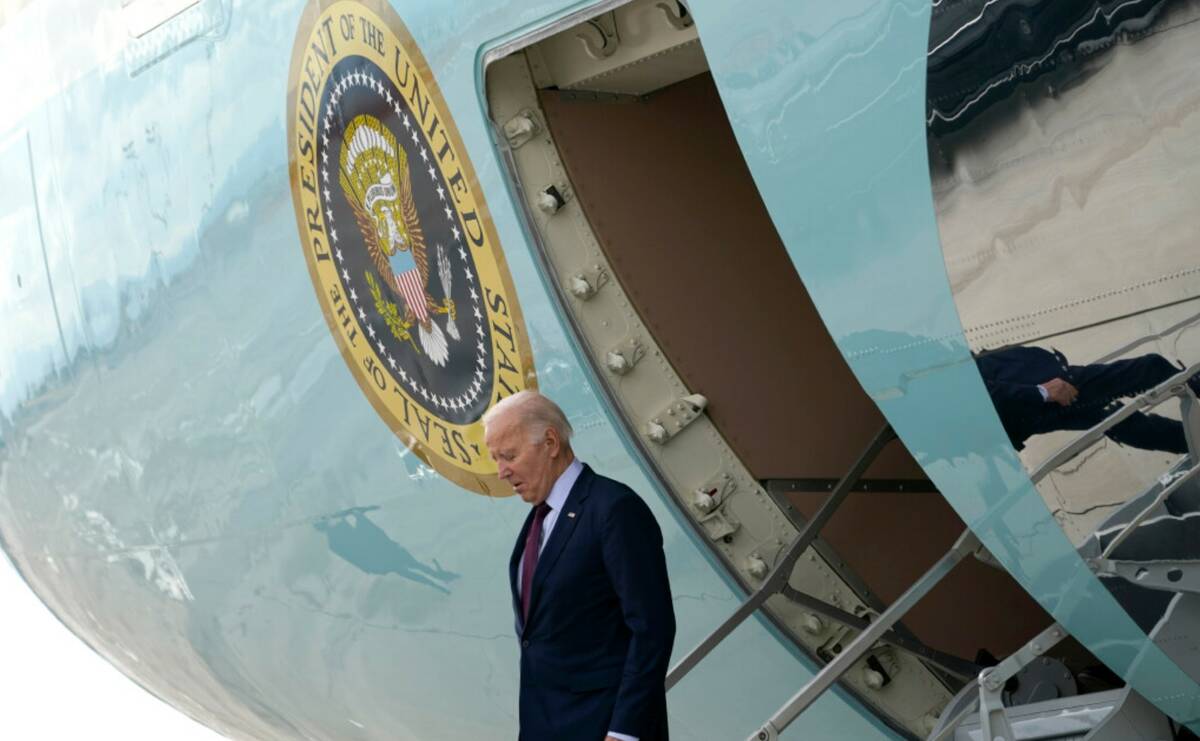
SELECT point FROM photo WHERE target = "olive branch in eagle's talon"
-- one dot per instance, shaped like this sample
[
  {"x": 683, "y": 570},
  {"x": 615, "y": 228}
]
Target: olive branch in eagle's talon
[{"x": 390, "y": 313}]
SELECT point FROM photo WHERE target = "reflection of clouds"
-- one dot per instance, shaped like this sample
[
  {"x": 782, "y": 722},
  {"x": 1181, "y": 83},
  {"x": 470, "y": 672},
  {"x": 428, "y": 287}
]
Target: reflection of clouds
[
  {"x": 112, "y": 241},
  {"x": 794, "y": 68},
  {"x": 68, "y": 42},
  {"x": 1048, "y": 45},
  {"x": 888, "y": 363},
  {"x": 158, "y": 565},
  {"x": 157, "y": 31},
  {"x": 1102, "y": 167},
  {"x": 237, "y": 212},
  {"x": 31, "y": 349}
]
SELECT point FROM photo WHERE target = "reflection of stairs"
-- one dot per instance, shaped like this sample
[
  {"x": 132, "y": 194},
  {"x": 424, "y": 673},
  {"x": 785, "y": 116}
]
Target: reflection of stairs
[
  {"x": 1175, "y": 386},
  {"x": 1150, "y": 542},
  {"x": 1153, "y": 541},
  {"x": 1148, "y": 555}
]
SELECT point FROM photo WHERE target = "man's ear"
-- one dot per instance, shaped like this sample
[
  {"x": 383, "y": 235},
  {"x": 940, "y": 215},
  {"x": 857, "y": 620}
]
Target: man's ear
[{"x": 553, "y": 442}]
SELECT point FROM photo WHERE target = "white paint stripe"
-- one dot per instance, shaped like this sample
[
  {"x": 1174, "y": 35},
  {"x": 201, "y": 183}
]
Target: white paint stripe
[{"x": 409, "y": 283}]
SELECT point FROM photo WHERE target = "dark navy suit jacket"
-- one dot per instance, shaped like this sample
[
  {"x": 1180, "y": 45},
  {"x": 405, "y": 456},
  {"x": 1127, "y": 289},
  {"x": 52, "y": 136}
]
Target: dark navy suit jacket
[
  {"x": 595, "y": 650},
  {"x": 1012, "y": 376}
]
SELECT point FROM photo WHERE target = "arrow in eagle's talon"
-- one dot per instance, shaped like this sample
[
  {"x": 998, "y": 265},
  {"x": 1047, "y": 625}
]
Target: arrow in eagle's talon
[{"x": 445, "y": 275}]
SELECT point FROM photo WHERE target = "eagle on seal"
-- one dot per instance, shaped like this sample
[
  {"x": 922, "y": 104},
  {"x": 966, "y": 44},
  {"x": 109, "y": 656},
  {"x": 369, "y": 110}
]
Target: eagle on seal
[{"x": 373, "y": 172}]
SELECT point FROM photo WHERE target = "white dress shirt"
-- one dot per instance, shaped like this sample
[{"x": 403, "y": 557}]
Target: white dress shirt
[{"x": 557, "y": 500}]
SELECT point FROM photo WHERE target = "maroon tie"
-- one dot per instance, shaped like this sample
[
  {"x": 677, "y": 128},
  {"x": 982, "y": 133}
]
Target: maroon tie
[{"x": 530, "y": 559}]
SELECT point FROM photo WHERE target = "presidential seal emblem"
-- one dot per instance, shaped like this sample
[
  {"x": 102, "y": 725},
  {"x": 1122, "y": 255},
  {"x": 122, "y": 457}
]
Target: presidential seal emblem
[{"x": 402, "y": 253}]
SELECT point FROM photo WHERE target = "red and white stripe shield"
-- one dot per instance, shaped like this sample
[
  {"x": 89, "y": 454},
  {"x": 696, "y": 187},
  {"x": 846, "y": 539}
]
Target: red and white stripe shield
[{"x": 409, "y": 285}]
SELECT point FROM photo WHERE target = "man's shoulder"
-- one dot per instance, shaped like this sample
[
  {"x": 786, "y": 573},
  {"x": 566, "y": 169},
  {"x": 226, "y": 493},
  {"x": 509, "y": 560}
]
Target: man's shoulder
[
  {"x": 1017, "y": 353},
  {"x": 612, "y": 489},
  {"x": 610, "y": 495},
  {"x": 1002, "y": 364}
]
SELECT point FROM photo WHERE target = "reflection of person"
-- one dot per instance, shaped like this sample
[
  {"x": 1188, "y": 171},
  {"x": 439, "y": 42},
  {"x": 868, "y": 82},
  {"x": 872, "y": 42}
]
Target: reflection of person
[
  {"x": 353, "y": 536},
  {"x": 1037, "y": 391},
  {"x": 589, "y": 584}
]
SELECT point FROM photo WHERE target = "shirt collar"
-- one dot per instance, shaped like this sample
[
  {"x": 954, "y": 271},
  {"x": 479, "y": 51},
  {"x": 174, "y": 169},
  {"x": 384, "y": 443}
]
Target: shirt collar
[{"x": 562, "y": 487}]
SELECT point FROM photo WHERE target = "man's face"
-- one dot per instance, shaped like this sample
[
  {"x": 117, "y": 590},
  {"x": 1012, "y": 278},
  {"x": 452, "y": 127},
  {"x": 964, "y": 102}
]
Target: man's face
[{"x": 527, "y": 464}]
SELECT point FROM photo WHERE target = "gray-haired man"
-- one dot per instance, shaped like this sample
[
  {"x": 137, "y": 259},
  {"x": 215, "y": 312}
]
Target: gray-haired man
[{"x": 589, "y": 585}]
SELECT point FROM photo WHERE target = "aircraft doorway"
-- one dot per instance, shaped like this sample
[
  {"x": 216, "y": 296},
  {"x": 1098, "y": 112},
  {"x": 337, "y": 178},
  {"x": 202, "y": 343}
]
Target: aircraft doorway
[{"x": 713, "y": 358}]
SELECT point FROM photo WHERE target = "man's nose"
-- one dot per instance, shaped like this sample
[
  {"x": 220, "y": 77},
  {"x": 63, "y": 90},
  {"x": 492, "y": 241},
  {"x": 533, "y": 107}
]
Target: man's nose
[{"x": 505, "y": 472}]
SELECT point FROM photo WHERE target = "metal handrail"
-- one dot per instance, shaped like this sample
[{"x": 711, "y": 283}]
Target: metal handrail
[
  {"x": 985, "y": 692},
  {"x": 987, "y": 679},
  {"x": 1176, "y": 385},
  {"x": 781, "y": 572},
  {"x": 1176, "y": 482},
  {"x": 990, "y": 682},
  {"x": 948, "y": 663},
  {"x": 862, "y": 643}
]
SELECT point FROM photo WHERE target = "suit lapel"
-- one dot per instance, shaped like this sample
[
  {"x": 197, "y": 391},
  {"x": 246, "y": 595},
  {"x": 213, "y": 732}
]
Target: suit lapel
[{"x": 564, "y": 527}]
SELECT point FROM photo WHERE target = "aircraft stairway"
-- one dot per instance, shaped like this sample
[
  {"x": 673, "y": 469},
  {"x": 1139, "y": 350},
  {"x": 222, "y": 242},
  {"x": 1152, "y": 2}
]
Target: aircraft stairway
[
  {"x": 883, "y": 629},
  {"x": 776, "y": 582},
  {"x": 1152, "y": 543},
  {"x": 1043, "y": 692},
  {"x": 986, "y": 709}
]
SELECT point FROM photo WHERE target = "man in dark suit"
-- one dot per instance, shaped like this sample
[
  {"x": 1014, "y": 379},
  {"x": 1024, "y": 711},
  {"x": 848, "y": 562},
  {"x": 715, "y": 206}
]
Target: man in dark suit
[
  {"x": 1037, "y": 391},
  {"x": 589, "y": 585}
]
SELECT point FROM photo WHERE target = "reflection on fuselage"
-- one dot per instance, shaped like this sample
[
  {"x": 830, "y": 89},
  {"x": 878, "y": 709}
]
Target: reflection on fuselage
[
  {"x": 354, "y": 537},
  {"x": 981, "y": 51},
  {"x": 1037, "y": 391},
  {"x": 1064, "y": 199},
  {"x": 1064, "y": 159}
]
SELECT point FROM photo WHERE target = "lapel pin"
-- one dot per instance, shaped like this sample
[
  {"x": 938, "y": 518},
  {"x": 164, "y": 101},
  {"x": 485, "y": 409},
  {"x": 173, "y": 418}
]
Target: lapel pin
[{"x": 570, "y": 514}]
